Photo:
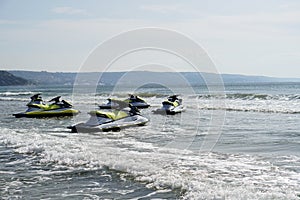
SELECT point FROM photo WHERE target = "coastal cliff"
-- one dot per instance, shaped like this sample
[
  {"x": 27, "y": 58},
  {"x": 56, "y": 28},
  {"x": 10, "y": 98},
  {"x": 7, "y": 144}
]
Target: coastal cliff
[{"x": 7, "y": 79}]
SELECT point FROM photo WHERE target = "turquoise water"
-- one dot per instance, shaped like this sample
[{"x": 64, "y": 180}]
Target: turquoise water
[{"x": 256, "y": 155}]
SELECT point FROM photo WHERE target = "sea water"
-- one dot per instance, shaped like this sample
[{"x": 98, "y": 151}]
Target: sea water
[{"x": 255, "y": 156}]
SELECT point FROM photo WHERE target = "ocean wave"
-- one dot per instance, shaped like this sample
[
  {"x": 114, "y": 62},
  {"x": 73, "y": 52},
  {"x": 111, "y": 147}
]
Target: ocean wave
[
  {"x": 12, "y": 99},
  {"x": 209, "y": 176},
  {"x": 262, "y": 110},
  {"x": 242, "y": 103},
  {"x": 250, "y": 96},
  {"x": 5, "y": 94}
]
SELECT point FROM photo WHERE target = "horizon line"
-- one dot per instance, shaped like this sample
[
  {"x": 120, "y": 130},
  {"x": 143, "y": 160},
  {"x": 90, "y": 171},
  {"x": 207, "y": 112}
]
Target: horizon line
[{"x": 237, "y": 74}]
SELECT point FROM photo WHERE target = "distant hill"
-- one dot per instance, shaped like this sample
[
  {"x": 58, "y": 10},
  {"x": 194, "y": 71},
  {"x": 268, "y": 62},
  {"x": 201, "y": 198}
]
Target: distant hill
[
  {"x": 7, "y": 79},
  {"x": 46, "y": 78},
  {"x": 111, "y": 78}
]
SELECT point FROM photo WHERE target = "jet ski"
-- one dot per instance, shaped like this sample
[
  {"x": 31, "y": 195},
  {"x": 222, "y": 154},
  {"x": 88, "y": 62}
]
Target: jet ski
[
  {"x": 171, "y": 106},
  {"x": 113, "y": 120},
  {"x": 111, "y": 104},
  {"x": 38, "y": 108},
  {"x": 135, "y": 101}
]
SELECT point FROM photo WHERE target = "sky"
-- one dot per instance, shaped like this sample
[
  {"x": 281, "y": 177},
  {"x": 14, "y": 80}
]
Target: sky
[{"x": 241, "y": 37}]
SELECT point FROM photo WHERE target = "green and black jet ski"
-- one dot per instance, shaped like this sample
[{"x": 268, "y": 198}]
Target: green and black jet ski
[
  {"x": 38, "y": 108},
  {"x": 135, "y": 101},
  {"x": 171, "y": 106},
  {"x": 113, "y": 120}
]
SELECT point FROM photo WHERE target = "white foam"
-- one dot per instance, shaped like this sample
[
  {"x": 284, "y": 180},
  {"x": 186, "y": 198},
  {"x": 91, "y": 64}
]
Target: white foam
[
  {"x": 7, "y": 172},
  {"x": 15, "y": 93},
  {"x": 202, "y": 176},
  {"x": 270, "y": 106},
  {"x": 13, "y": 99}
]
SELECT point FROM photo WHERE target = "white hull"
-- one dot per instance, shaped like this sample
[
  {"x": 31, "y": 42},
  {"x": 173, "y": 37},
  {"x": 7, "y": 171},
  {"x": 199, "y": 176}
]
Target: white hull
[{"x": 129, "y": 121}]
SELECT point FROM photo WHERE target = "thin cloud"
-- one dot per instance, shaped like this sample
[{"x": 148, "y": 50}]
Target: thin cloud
[
  {"x": 8, "y": 22},
  {"x": 271, "y": 18},
  {"x": 162, "y": 8},
  {"x": 69, "y": 11}
]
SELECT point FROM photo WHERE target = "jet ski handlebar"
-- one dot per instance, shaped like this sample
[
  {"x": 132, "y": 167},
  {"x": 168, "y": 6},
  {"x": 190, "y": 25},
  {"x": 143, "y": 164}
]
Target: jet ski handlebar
[
  {"x": 55, "y": 99},
  {"x": 36, "y": 96}
]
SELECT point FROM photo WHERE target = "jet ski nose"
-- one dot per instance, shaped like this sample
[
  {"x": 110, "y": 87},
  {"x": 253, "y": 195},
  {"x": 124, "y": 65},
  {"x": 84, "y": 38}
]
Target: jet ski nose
[{"x": 73, "y": 129}]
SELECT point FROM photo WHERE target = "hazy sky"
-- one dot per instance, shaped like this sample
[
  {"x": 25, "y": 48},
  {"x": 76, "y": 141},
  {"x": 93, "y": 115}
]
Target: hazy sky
[{"x": 245, "y": 37}]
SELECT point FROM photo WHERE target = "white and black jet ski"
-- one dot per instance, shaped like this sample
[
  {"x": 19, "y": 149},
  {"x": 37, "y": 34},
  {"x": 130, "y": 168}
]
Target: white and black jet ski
[
  {"x": 135, "y": 101},
  {"x": 113, "y": 120},
  {"x": 171, "y": 106}
]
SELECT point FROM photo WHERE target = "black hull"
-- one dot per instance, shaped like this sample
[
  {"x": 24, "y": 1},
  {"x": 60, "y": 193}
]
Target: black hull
[
  {"x": 164, "y": 112},
  {"x": 142, "y": 106},
  {"x": 46, "y": 115},
  {"x": 113, "y": 107}
]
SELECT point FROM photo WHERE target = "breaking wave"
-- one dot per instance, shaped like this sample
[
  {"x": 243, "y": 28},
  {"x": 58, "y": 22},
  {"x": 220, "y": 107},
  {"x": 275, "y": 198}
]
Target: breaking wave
[
  {"x": 7, "y": 94},
  {"x": 209, "y": 176},
  {"x": 250, "y": 102},
  {"x": 251, "y": 96},
  {"x": 12, "y": 99}
]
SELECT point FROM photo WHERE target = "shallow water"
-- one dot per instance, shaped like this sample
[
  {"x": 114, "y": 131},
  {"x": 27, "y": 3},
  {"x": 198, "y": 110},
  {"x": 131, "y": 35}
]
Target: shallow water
[{"x": 256, "y": 155}]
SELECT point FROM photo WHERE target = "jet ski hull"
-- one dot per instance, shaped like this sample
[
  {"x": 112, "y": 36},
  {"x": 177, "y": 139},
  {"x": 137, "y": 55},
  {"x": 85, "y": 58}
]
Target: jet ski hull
[
  {"x": 117, "y": 125},
  {"x": 140, "y": 105},
  {"x": 135, "y": 104},
  {"x": 169, "y": 111},
  {"x": 48, "y": 113}
]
